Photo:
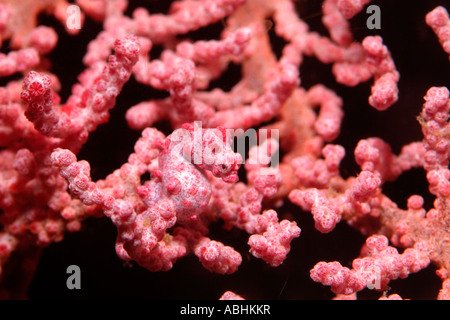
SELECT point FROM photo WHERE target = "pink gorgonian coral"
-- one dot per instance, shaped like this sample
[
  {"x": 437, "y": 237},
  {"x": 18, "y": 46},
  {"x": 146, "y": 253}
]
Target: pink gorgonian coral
[{"x": 255, "y": 144}]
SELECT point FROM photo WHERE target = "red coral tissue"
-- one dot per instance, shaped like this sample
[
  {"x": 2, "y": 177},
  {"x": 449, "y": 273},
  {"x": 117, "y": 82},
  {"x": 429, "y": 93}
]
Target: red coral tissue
[{"x": 225, "y": 149}]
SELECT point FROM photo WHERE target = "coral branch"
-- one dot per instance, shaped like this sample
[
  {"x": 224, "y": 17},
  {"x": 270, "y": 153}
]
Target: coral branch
[
  {"x": 382, "y": 264},
  {"x": 439, "y": 21},
  {"x": 238, "y": 136},
  {"x": 18, "y": 61},
  {"x": 349, "y": 8},
  {"x": 89, "y": 106}
]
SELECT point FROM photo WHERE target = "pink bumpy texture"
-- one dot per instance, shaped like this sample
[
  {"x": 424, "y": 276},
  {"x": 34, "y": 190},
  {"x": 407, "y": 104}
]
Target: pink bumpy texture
[
  {"x": 382, "y": 263},
  {"x": 45, "y": 191}
]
